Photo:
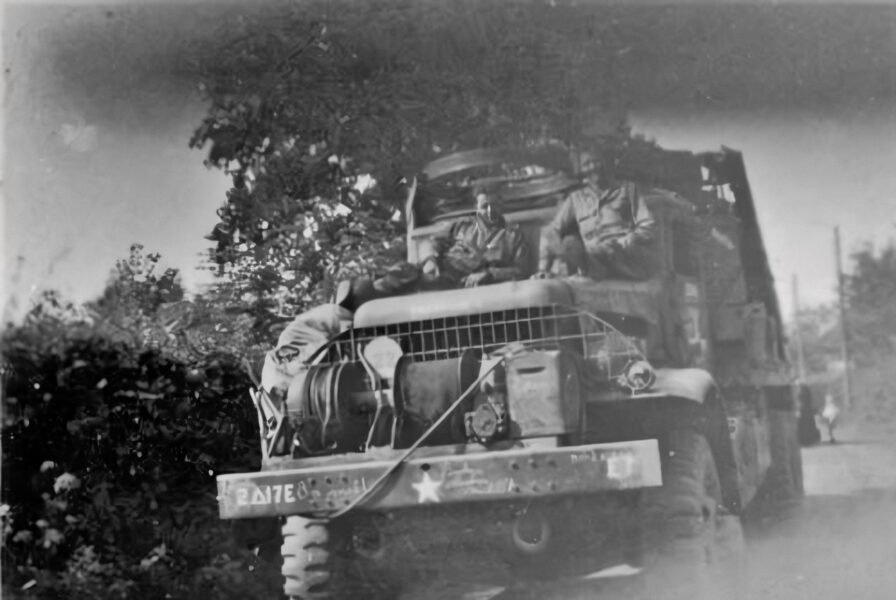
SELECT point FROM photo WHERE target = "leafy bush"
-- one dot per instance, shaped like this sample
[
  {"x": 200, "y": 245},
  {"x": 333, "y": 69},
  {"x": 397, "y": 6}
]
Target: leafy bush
[{"x": 111, "y": 445}]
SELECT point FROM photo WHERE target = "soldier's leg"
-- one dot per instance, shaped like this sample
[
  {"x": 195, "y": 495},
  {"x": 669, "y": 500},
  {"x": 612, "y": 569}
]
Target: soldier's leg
[
  {"x": 578, "y": 261},
  {"x": 275, "y": 376},
  {"x": 350, "y": 294},
  {"x": 636, "y": 263},
  {"x": 400, "y": 278}
]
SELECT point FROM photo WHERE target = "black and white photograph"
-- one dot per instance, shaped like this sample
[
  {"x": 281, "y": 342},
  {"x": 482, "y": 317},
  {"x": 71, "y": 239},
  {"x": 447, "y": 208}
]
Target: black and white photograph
[{"x": 448, "y": 300}]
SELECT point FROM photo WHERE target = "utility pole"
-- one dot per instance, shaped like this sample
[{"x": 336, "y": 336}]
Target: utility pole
[
  {"x": 844, "y": 327},
  {"x": 797, "y": 333}
]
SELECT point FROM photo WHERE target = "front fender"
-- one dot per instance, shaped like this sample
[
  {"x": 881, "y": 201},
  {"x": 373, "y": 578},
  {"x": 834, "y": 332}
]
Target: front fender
[
  {"x": 690, "y": 384},
  {"x": 697, "y": 385}
]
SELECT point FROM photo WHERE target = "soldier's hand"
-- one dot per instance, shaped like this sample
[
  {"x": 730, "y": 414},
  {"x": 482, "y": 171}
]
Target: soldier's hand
[
  {"x": 431, "y": 267},
  {"x": 474, "y": 279},
  {"x": 608, "y": 248}
]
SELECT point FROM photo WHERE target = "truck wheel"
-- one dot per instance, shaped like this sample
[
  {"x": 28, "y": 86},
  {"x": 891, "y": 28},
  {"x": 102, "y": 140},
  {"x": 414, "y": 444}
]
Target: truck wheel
[
  {"x": 307, "y": 560},
  {"x": 688, "y": 537},
  {"x": 783, "y": 484},
  {"x": 330, "y": 560}
]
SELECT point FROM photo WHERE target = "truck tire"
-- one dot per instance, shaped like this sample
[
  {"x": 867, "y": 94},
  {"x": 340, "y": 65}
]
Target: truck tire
[
  {"x": 688, "y": 537},
  {"x": 307, "y": 559},
  {"x": 783, "y": 483},
  {"x": 334, "y": 560}
]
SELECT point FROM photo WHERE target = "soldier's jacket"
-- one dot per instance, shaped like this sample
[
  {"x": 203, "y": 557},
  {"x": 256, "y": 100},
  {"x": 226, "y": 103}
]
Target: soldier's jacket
[
  {"x": 472, "y": 245},
  {"x": 307, "y": 333},
  {"x": 599, "y": 216}
]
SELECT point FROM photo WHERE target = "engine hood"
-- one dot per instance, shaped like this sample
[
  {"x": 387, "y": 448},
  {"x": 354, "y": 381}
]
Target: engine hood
[{"x": 465, "y": 301}]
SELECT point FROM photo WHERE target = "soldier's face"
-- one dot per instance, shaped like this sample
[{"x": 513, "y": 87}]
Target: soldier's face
[
  {"x": 588, "y": 167},
  {"x": 485, "y": 208},
  {"x": 587, "y": 164}
]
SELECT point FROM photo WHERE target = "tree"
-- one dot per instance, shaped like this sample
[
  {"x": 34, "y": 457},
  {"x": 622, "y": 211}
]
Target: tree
[
  {"x": 319, "y": 111},
  {"x": 871, "y": 313},
  {"x": 135, "y": 285},
  {"x": 871, "y": 292},
  {"x": 817, "y": 328}
]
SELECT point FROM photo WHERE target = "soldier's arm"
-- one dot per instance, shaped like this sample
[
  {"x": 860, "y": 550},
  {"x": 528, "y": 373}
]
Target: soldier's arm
[
  {"x": 563, "y": 223},
  {"x": 643, "y": 222},
  {"x": 437, "y": 244},
  {"x": 517, "y": 260}
]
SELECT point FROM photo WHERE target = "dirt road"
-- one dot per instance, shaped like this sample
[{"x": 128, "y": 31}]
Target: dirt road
[{"x": 840, "y": 542}]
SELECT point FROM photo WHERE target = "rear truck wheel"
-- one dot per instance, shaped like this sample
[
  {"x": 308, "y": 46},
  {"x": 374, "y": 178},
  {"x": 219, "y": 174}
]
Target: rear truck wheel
[
  {"x": 808, "y": 432},
  {"x": 783, "y": 483},
  {"x": 688, "y": 538}
]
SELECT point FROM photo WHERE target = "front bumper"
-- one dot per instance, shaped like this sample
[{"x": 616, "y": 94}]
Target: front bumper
[{"x": 448, "y": 478}]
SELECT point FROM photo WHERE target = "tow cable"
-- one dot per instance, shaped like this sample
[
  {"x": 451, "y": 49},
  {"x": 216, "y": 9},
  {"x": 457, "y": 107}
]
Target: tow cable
[{"x": 506, "y": 353}]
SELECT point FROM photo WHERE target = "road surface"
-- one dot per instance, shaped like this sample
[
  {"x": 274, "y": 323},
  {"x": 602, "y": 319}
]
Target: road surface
[{"x": 842, "y": 542}]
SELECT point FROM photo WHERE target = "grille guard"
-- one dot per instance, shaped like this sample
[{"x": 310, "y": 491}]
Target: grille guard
[
  {"x": 606, "y": 350},
  {"x": 608, "y": 355}
]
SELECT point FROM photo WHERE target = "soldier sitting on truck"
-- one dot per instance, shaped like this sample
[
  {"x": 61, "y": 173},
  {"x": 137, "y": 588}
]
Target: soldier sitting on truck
[
  {"x": 602, "y": 230},
  {"x": 473, "y": 251}
]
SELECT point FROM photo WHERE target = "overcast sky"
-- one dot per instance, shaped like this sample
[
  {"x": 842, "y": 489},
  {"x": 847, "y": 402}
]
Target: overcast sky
[
  {"x": 99, "y": 112},
  {"x": 99, "y": 108}
]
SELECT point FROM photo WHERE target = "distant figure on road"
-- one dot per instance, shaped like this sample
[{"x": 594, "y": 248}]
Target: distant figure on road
[{"x": 829, "y": 415}]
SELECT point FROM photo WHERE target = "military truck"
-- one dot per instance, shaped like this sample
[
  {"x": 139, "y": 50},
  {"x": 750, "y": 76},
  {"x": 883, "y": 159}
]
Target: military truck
[{"x": 539, "y": 428}]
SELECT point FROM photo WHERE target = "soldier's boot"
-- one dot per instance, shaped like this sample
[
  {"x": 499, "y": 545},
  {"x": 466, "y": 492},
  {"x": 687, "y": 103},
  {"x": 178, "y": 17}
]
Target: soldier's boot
[
  {"x": 398, "y": 279},
  {"x": 352, "y": 293}
]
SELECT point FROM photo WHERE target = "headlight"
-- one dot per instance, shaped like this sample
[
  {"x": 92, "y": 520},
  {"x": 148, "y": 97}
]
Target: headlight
[{"x": 637, "y": 376}]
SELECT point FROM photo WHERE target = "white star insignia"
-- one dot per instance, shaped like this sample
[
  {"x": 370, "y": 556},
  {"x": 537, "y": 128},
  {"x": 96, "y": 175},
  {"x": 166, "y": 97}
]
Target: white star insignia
[{"x": 427, "y": 489}]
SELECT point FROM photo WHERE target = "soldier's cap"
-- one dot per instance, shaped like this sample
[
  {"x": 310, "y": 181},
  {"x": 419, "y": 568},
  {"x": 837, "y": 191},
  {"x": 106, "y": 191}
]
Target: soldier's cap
[{"x": 489, "y": 190}]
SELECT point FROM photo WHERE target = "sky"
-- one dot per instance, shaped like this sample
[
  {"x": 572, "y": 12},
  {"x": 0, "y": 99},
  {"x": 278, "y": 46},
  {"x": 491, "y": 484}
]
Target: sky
[
  {"x": 99, "y": 107},
  {"x": 98, "y": 115}
]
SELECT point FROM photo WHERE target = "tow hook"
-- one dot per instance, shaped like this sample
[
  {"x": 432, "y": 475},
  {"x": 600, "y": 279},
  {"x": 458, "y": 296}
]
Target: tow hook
[{"x": 531, "y": 533}]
